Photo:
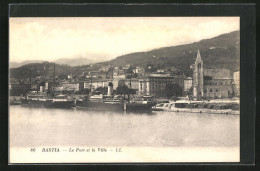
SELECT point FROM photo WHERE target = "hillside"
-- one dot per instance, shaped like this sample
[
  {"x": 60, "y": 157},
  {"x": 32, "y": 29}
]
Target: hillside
[
  {"x": 17, "y": 64},
  {"x": 222, "y": 51},
  {"x": 39, "y": 69}
]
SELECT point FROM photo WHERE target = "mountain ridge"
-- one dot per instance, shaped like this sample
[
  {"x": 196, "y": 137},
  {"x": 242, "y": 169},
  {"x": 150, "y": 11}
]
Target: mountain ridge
[{"x": 223, "y": 47}]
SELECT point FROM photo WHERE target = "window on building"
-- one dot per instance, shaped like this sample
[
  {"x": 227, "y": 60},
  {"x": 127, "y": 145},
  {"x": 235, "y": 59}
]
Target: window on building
[
  {"x": 210, "y": 90},
  {"x": 217, "y": 90},
  {"x": 199, "y": 65}
]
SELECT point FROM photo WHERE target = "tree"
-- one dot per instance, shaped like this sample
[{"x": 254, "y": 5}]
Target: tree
[
  {"x": 172, "y": 90},
  {"x": 122, "y": 89}
]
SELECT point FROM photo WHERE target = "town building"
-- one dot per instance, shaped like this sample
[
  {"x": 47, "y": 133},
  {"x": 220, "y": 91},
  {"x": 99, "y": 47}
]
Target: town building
[
  {"x": 133, "y": 83},
  {"x": 105, "y": 68},
  {"x": 97, "y": 74},
  {"x": 139, "y": 70},
  {"x": 116, "y": 80},
  {"x": 96, "y": 83},
  {"x": 126, "y": 67},
  {"x": 49, "y": 85},
  {"x": 118, "y": 72},
  {"x": 161, "y": 70},
  {"x": 72, "y": 86},
  {"x": 155, "y": 85},
  {"x": 218, "y": 73},
  {"x": 236, "y": 77},
  {"x": 218, "y": 88},
  {"x": 212, "y": 85},
  {"x": 187, "y": 84}
]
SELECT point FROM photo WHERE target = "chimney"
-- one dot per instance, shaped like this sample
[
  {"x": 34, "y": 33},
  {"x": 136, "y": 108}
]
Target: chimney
[{"x": 110, "y": 89}]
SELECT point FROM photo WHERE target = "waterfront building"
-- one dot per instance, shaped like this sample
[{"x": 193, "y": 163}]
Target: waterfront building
[
  {"x": 154, "y": 85},
  {"x": 187, "y": 84},
  {"x": 217, "y": 83},
  {"x": 236, "y": 77},
  {"x": 218, "y": 88}
]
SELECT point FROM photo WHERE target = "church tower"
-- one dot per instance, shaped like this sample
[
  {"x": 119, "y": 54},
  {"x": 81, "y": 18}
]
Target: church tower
[{"x": 198, "y": 78}]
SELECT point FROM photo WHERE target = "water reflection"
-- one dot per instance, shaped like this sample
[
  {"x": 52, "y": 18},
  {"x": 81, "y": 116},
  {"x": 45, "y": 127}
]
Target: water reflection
[{"x": 57, "y": 127}]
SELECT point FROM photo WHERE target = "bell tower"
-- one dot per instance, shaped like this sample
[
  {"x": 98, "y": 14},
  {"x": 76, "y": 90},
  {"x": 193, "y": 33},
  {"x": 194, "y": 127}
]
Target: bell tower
[{"x": 198, "y": 78}]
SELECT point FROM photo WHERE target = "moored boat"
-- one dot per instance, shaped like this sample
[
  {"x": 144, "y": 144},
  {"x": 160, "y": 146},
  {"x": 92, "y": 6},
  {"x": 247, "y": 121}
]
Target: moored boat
[
  {"x": 43, "y": 100},
  {"x": 115, "y": 103},
  {"x": 140, "y": 104},
  {"x": 162, "y": 107},
  {"x": 203, "y": 107},
  {"x": 99, "y": 103}
]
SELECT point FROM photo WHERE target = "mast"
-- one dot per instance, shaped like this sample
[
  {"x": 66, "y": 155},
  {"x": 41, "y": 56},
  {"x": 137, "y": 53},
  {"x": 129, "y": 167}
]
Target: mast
[
  {"x": 54, "y": 74},
  {"x": 90, "y": 82},
  {"x": 44, "y": 73},
  {"x": 130, "y": 80},
  {"x": 130, "y": 88},
  {"x": 30, "y": 78}
]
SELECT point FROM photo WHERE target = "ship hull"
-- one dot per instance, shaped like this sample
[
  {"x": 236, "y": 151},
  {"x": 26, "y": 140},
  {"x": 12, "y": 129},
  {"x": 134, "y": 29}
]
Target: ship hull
[
  {"x": 47, "y": 104},
  {"x": 138, "y": 107},
  {"x": 99, "y": 106},
  {"x": 102, "y": 106}
]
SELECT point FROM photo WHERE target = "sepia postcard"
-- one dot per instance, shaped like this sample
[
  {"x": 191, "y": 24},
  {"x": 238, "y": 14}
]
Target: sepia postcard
[{"x": 124, "y": 89}]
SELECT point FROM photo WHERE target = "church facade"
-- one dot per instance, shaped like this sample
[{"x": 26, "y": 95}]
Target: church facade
[{"x": 208, "y": 86}]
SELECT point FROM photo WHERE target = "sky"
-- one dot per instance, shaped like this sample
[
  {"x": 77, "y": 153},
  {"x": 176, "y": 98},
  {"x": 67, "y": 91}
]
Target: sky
[{"x": 105, "y": 38}]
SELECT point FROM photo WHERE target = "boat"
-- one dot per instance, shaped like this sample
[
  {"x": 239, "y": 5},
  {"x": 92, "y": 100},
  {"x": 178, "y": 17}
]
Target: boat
[
  {"x": 205, "y": 107},
  {"x": 140, "y": 104},
  {"x": 113, "y": 103},
  {"x": 162, "y": 107},
  {"x": 100, "y": 103},
  {"x": 15, "y": 100},
  {"x": 44, "y": 100}
]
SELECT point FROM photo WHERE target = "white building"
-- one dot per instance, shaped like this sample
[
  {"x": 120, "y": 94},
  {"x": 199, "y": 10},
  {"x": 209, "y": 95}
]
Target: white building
[{"x": 187, "y": 84}]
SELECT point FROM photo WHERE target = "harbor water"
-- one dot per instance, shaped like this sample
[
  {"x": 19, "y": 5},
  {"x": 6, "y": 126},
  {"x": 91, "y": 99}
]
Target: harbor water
[{"x": 34, "y": 127}]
